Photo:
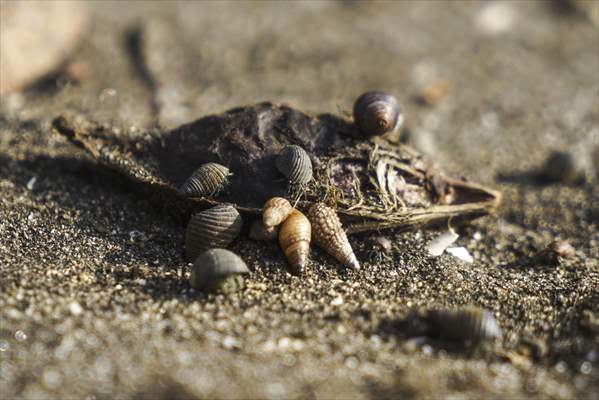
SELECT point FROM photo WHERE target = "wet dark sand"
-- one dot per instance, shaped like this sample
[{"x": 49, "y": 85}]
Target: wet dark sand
[{"x": 94, "y": 300}]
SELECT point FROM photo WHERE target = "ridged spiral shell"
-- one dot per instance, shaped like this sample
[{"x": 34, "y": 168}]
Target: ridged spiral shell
[
  {"x": 215, "y": 227},
  {"x": 259, "y": 231},
  {"x": 208, "y": 180},
  {"x": 275, "y": 211},
  {"x": 294, "y": 237},
  {"x": 330, "y": 236},
  {"x": 463, "y": 324},
  {"x": 377, "y": 113},
  {"x": 295, "y": 164},
  {"x": 218, "y": 270}
]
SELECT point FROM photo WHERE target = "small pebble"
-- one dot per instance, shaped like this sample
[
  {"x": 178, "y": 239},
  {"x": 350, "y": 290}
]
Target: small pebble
[
  {"x": 20, "y": 336},
  {"x": 75, "y": 308},
  {"x": 31, "y": 183}
]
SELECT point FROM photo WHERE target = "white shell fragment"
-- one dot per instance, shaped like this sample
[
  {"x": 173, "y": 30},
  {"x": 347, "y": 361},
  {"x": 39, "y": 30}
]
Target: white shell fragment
[
  {"x": 442, "y": 242},
  {"x": 461, "y": 253}
]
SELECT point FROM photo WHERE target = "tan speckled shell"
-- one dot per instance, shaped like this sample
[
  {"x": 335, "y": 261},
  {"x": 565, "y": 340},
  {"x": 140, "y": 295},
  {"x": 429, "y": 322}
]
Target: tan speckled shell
[
  {"x": 294, "y": 238},
  {"x": 208, "y": 180},
  {"x": 275, "y": 211},
  {"x": 330, "y": 236},
  {"x": 295, "y": 164},
  {"x": 215, "y": 227}
]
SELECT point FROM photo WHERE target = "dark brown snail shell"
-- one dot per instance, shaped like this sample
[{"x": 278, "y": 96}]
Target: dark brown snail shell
[
  {"x": 218, "y": 270},
  {"x": 463, "y": 324},
  {"x": 377, "y": 113},
  {"x": 295, "y": 164},
  {"x": 215, "y": 227},
  {"x": 208, "y": 180}
]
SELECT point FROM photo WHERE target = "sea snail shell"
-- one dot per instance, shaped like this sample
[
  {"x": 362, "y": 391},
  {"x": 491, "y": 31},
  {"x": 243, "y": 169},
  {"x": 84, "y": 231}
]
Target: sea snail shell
[
  {"x": 330, "y": 236},
  {"x": 463, "y": 324},
  {"x": 259, "y": 231},
  {"x": 294, "y": 237},
  {"x": 215, "y": 227},
  {"x": 275, "y": 211},
  {"x": 377, "y": 113},
  {"x": 295, "y": 164},
  {"x": 218, "y": 270},
  {"x": 208, "y": 180}
]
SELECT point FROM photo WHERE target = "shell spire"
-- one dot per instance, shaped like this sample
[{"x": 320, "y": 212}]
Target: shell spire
[
  {"x": 330, "y": 236},
  {"x": 294, "y": 237}
]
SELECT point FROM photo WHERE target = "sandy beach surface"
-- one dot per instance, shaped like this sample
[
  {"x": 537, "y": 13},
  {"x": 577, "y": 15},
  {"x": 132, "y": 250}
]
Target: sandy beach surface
[{"x": 94, "y": 297}]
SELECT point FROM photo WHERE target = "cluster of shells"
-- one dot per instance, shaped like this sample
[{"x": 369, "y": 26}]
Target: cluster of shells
[{"x": 210, "y": 231}]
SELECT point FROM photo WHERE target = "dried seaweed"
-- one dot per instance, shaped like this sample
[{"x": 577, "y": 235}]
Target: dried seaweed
[{"x": 373, "y": 184}]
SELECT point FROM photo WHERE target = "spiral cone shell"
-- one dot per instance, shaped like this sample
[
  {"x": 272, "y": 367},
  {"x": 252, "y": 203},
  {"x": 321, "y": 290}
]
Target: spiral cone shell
[
  {"x": 275, "y": 211},
  {"x": 208, "y": 180},
  {"x": 294, "y": 237},
  {"x": 295, "y": 164},
  {"x": 215, "y": 227},
  {"x": 330, "y": 236}
]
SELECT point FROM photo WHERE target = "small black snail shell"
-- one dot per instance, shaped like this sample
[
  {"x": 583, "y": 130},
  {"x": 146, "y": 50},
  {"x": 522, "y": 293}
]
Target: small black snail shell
[
  {"x": 463, "y": 324},
  {"x": 295, "y": 164},
  {"x": 218, "y": 270},
  {"x": 564, "y": 166},
  {"x": 377, "y": 113}
]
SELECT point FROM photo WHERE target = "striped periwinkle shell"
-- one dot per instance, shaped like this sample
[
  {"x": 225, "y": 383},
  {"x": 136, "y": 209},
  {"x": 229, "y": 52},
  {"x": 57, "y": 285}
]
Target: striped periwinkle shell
[
  {"x": 215, "y": 227},
  {"x": 377, "y": 113},
  {"x": 295, "y": 164},
  {"x": 328, "y": 234},
  {"x": 218, "y": 270},
  {"x": 208, "y": 180},
  {"x": 463, "y": 324}
]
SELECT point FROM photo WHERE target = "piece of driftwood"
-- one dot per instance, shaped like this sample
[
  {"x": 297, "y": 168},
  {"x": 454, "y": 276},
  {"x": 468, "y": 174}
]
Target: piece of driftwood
[{"x": 373, "y": 184}]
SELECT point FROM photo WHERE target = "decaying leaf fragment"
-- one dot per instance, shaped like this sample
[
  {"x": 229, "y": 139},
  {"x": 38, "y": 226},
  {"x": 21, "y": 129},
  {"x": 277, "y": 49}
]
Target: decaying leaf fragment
[{"x": 372, "y": 186}]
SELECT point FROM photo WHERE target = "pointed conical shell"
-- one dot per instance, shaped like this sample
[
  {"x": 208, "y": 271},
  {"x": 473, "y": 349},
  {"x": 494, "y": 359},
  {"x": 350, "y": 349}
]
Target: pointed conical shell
[
  {"x": 275, "y": 211},
  {"x": 215, "y": 227},
  {"x": 218, "y": 269},
  {"x": 330, "y": 236},
  {"x": 294, "y": 238},
  {"x": 467, "y": 323},
  {"x": 258, "y": 231},
  {"x": 208, "y": 180},
  {"x": 295, "y": 164}
]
